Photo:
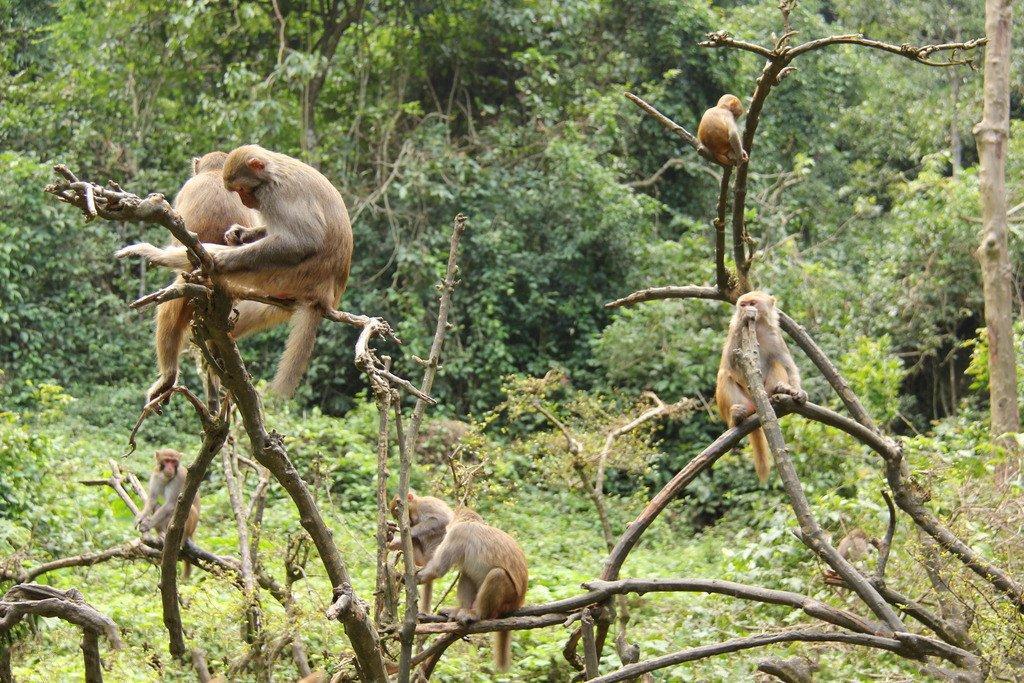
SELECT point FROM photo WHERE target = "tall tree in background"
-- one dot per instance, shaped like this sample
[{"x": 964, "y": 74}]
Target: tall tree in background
[{"x": 991, "y": 135}]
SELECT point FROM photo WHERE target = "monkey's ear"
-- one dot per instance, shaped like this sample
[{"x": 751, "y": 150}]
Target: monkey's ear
[
  {"x": 256, "y": 164},
  {"x": 195, "y": 164}
]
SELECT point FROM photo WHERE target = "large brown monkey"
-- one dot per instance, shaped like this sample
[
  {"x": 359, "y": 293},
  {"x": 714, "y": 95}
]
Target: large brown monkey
[
  {"x": 780, "y": 373},
  {"x": 428, "y": 519},
  {"x": 218, "y": 217},
  {"x": 305, "y": 255},
  {"x": 718, "y": 131},
  {"x": 493, "y": 574},
  {"x": 165, "y": 483}
]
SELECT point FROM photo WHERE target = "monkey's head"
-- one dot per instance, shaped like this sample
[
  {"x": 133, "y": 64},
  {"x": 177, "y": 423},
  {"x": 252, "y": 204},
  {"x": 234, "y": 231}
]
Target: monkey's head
[
  {"x": 465, "y": 514},
  {"x": 411, "y": 502},
  {"x": 757, "y": 305},
  {"x": 247, "y": 170},
  {"x": 167, "y": 461},
  {"x": 733, "y": 104},
  {"x": 211, "y": 161}
]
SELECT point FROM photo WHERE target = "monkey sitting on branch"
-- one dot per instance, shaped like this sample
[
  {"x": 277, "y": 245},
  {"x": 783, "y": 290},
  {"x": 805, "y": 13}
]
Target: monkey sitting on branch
[
  {"x": 428, "y": 519},
  {"x": 217, "y": 217},
  {"x": 304, "y": 256},
  {"x": 166, "y": 482},
  {"x": 719, "y": 133},
  {"x": 493, "y": 574},
  {"x": 780, "y": 373}
]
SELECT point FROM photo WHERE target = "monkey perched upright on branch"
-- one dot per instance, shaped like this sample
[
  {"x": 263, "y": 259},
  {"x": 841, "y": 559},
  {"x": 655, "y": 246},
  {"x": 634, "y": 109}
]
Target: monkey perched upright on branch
[
  {"x": 428, "y": 519},
  {"x": 217, "y": 217},
  {"x": 493, "y": 574},
  {"x": 718, "y": 131},
  {"x": 305, "y": 255},
  {"x": 780, "y": 373},
  {"x": 166, "y": 482}
]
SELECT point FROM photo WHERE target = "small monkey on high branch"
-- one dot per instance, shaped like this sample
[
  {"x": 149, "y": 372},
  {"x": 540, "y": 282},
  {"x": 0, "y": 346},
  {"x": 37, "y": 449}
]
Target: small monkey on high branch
[
  {"x": 165, "y": 483},
  {"x": 304, "y": 256},
  {"x": 780, "y": 373},
  {"x": 718, "y": 131},
  {"x": 218, "y": 217},
  {"x": 493, "y": 574},
  {"x": 428, "y": 519}
]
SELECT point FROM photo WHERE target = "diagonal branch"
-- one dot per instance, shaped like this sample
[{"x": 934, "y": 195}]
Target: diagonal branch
[{"x": 748, "y": 358}]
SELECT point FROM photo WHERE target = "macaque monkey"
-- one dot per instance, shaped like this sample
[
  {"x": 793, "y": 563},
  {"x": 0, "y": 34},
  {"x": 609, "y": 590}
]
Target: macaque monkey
[
  {"x": 305, "y": 254},
  {"x": 428, "y": 519},
  {"x": 165, "y": 483},
  {"x": 854, "y": 547},
  {"x": 780, "y": 373},
  {"x": 493, "y": 574},
  {"x": 718, "y": 132},
  {"x": 218, "y": 217}
]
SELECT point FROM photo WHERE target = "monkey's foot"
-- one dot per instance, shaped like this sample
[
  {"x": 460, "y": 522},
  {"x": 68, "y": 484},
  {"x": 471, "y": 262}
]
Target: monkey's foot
[
  {"x": 798, "y": 395},
  {"x": 738, "y": 413},
  {"x": 465, "y": 617}
]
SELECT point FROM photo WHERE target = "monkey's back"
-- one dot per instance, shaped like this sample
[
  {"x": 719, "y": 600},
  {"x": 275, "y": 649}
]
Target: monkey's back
[
  {"x": 713, "y": 132},
  {"x": 208, "y": 209},
  {"x": 486, "y": 548}
]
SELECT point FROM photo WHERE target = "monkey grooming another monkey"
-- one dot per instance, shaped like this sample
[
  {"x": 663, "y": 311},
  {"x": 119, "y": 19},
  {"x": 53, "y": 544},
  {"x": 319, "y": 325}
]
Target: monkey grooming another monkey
[
  {"x": 428, "y": 519},
  {"x": 718, "y": 131},
  {"x": 780, "y": 373},
  {"x": 493, "y": 574},
  {"x": 218, "y": 217},
  {"x": 305, "y": 254},
  {"x": 165, "y": 483}
]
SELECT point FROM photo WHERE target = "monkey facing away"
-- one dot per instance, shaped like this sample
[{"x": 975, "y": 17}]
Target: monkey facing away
[
  {"x": 218, "y": 217},
  {"x": 718, "y": 131},
  {"x": 305, "y": 254},
  {"x": 493, "y": 574},
  {"x": 428, "y": 519},
  {"x": 780, "y": 373},
  {"x": 854, "y": 547},
  {"x": 165, "y": 483}
]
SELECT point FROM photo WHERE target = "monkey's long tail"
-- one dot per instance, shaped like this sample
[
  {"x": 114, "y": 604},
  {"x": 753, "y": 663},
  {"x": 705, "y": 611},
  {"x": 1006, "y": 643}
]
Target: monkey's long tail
[
  {"x": 297, "y": 351},
  {"x": 502, "y": 650},
  {"x": 762, "y": 454}
]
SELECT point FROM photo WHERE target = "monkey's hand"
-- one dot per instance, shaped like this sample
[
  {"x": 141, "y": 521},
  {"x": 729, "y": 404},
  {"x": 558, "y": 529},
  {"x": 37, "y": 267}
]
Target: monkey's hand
[
  {"x": 744, "y": 157},
  {"x": 144, "y": 524},
  {"x": 238, "y": 235}
]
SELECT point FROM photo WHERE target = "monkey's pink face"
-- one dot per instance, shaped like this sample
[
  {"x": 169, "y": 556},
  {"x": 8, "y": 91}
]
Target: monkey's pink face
[
  {"x": 169, "y": 468},
  {"x": 755, "y": 306}
]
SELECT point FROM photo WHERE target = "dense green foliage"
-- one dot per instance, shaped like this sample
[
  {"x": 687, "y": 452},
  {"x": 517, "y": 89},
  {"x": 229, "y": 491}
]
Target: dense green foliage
[{"x": 863, "y": 202}]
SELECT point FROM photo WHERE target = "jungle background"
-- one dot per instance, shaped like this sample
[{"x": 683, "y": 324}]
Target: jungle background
[{"x": 864, "y": 206}]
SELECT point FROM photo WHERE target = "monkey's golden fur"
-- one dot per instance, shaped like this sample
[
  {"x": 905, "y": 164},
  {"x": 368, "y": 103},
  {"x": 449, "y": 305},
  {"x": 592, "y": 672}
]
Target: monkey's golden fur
[
  {"x": 305, "y": 255},
  {"x": 780, "y": 373},
  {"x": 493, "y": 574},
  {"x": 718, "y": 131}
]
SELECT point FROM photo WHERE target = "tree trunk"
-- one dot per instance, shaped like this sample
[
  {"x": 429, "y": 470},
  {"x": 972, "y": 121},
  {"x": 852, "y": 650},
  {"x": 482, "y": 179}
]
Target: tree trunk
[{"x": 991, "y": 135}]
